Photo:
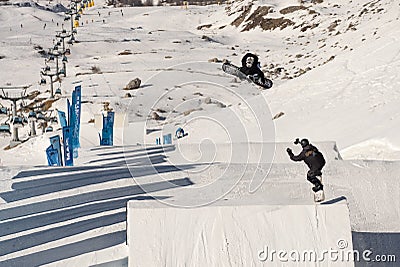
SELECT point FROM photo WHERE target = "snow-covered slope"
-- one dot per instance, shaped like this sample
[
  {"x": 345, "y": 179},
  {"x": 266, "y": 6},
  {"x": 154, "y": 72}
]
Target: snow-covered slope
[
  {"x": 335, "y": 70},
  {"x": 334, "y": 66}
]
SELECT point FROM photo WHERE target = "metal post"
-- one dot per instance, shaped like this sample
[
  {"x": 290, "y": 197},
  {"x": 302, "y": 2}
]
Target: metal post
[
  {"x": 65, "y": 69},
  {"x": 72, "y": 25},
  {"x": 15, "y": 129},
  {"x": 51, "y": 87},
  {"x": 14, "y": 108},
  {"x": 63, "y": 43},
  {"x": 57, "y": 72},
  {"x": 33, "y": 129}
]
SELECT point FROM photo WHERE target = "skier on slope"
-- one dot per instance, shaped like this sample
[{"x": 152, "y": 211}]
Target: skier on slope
[
  {"x": 250, "y": 67},
  {"x": 314, "y": 160}
]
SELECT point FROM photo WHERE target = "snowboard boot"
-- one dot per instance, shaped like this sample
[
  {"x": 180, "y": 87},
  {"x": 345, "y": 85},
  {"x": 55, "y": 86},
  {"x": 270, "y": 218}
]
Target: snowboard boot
[{"x": 318, "y": 187}]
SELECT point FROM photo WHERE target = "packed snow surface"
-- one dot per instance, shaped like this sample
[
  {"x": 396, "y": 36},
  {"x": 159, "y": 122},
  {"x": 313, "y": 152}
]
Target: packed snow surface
[{"x": 335, "y": 68}]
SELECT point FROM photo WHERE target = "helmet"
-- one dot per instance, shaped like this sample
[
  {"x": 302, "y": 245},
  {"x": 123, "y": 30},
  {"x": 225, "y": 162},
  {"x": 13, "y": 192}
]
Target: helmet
[
  {"x": 249, "y": 62},
  {"x": 304, "y": 142}
]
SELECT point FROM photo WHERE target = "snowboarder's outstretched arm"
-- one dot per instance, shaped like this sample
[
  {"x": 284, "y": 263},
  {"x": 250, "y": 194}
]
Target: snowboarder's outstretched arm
[{"x": 298, "y": 157}]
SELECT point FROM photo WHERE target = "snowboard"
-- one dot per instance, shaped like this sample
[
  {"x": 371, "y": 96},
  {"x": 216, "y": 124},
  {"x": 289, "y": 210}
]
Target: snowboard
[
  {"x": 235, "y": 71},
  {"x": 319, "y": 195}
]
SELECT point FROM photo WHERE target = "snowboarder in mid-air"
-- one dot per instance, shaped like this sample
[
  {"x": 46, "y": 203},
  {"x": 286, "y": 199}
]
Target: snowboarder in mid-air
[
  {"x": 314, "y": 160},
  {"x": 249, "y": 70},
  {"x": 251, "y": 67}
]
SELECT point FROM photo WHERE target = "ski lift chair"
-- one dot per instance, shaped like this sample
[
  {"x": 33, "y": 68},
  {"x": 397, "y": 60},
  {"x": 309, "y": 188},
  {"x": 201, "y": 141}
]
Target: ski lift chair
[
  {"x": 49, "y": 129},
  {"x": 17, "y": 122},
  {"x": 5, "y": 129},
  {"x": 58, "y": 91},
  {"x": 72, "y": 39},
  {"x": 53, "y": 120},
  {"x": 3, "y": 112},
  {"x": 32, "y": 115},
  {"x": 41, "y": 117}
]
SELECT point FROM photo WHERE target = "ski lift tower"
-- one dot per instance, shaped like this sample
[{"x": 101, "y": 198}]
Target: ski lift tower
[
  {"x": 47, "y": 72},
  {"x": 62, "y": 35},
  {"x": 55, "y": 54},
  {"x": 73, "y": 11},
  {"x": 14, "y": 94}
]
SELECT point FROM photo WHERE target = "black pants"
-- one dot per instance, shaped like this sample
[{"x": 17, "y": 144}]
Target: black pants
[{"x": 312, "y": 177}]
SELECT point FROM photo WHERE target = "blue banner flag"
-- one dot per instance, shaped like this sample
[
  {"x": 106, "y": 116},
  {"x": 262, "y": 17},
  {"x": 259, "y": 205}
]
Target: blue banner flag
[
  {"x": 69, "y": 112},
  {"x": 72, "y": 119},
  {"x": 52, "y": 156},
  {"x": 108, "y": 130},
  {"x": 105, "y": 140},
  {"x": 63, "y": 118},
  {"x": 68, "y": 148},
  {"x": 75, "y": 122},
  {"x": 55, "y": 142},
  {"x": 110, "y": 125},
  {"x": 167, "y": 139}
]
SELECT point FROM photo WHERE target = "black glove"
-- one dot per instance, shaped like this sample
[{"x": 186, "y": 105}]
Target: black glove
[
  {"x": 289, "y": 151},
  {"x": 297, "y": 141},
  {"x": 253, "y": 77}
]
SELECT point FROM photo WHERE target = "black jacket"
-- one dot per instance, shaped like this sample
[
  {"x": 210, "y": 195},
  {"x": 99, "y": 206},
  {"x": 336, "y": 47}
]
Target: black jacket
[
  {"x": 311, "y": 156},
  {"x": 253, "y": 69}
]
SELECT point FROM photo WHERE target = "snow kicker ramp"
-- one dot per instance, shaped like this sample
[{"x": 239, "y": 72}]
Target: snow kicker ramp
[{"x": 240, "y": 235}]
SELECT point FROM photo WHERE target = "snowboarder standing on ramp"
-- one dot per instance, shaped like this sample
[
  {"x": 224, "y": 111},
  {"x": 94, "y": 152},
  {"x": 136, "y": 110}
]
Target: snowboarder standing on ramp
[{"x": 314, "y": 160}]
